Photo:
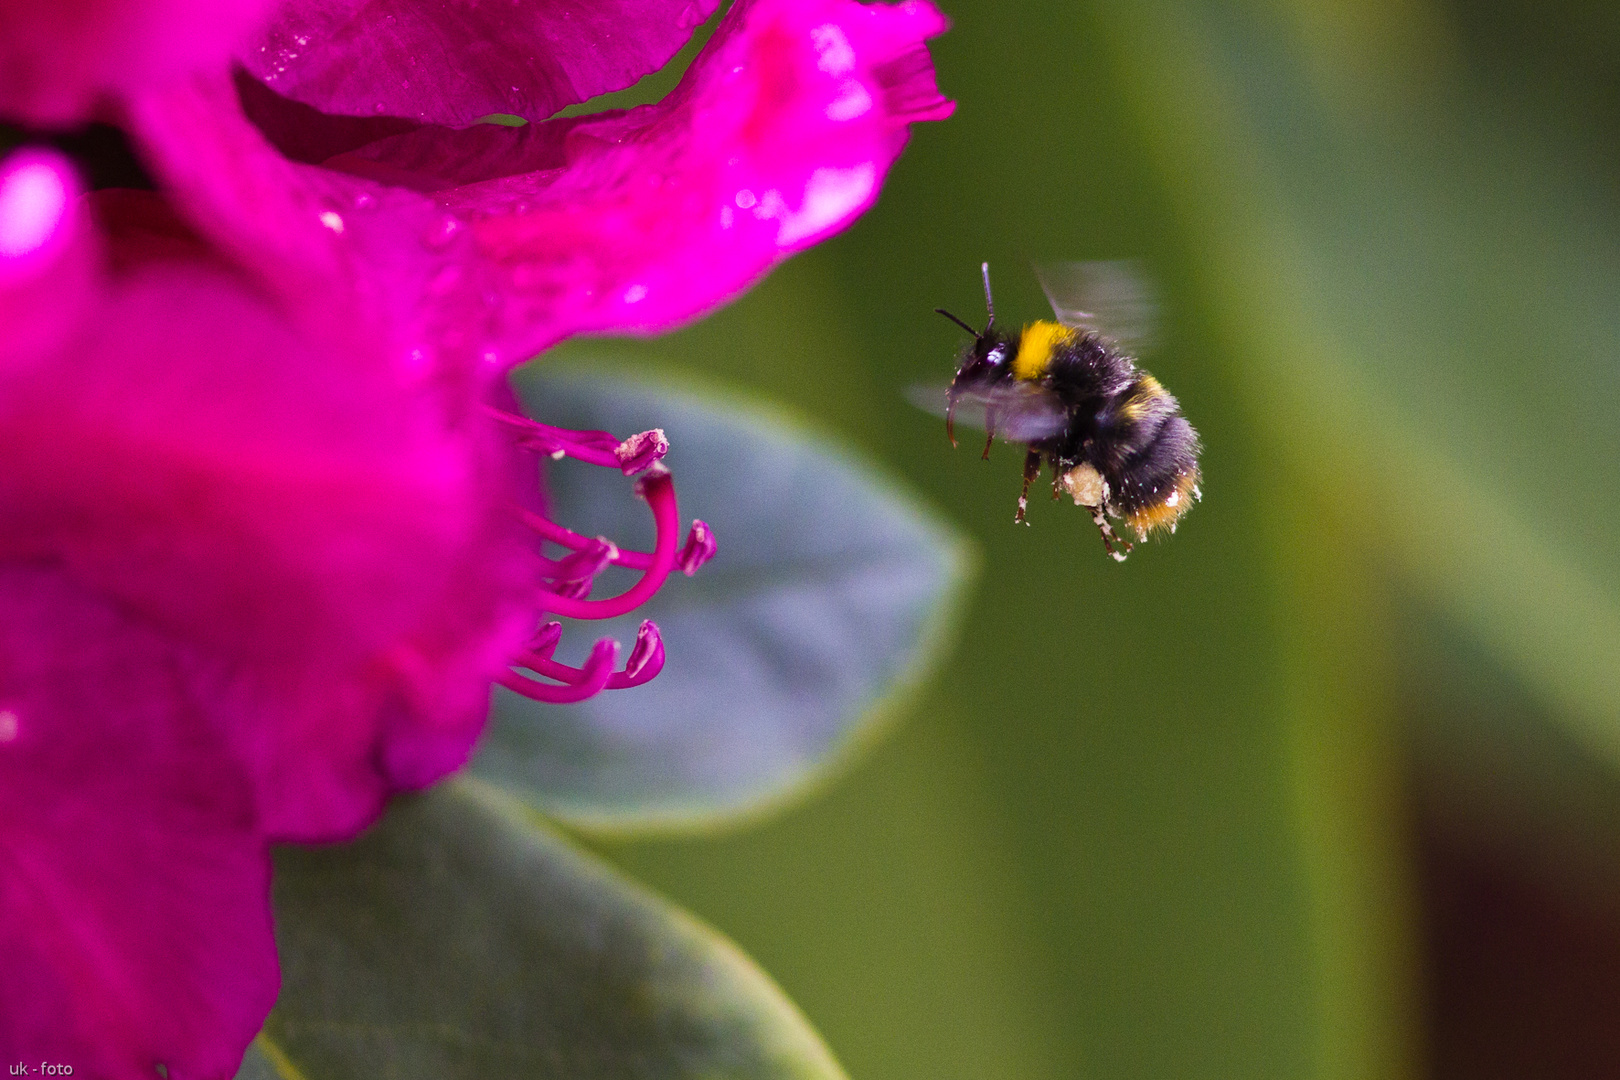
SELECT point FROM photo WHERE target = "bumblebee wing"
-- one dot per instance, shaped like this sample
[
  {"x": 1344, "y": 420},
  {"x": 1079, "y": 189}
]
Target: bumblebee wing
[
  {"x": 1019, "y": 412},
  {"x": 1113, "y": 299}
]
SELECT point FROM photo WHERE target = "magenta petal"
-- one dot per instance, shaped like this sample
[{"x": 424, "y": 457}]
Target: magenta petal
[
  {"x": 47, "y": 255},
  {"x": 452, "y": 62},
  {"x": 303, "y": 232},
  {"x": 779, "y": 135},
  {"x": 346, "y": 256},
  {"x": 59, "y": 59},
  {"x": 134, "y": 887},
  {"x": 329, "y": 519}
]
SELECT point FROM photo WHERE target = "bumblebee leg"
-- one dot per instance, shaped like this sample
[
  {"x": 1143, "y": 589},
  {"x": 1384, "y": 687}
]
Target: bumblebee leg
[
  {"x": 1106, "y": 531},
  {"x": 1032, "y": 469},
  {"x": 989, "y": 431}
]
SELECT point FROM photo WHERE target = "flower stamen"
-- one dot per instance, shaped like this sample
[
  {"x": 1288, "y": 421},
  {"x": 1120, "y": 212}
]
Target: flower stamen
[
  {"x": 568, "y": 579},
  {"x": 645, "y": 662},
  {"x": 630, "y": 456},
  {"x": 583, "y": 682},
  {"x": 656, "y": 487}
]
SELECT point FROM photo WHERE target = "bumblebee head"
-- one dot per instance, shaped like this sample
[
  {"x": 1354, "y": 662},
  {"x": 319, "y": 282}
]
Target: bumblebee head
[
  {"x": 991, "y": 350},
  {"x": 987, "y": 358}
]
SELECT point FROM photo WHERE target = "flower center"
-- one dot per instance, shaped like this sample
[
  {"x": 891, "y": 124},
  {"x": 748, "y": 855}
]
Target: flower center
[{"x": 566, "y": 582}]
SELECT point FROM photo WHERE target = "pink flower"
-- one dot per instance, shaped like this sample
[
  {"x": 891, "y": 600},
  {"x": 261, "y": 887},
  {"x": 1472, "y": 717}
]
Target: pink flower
[{"x": 268, "y": 523}]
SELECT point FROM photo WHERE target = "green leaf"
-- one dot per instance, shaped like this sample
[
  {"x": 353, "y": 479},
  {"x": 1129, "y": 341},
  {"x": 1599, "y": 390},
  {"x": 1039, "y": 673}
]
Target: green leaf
[
  {"x": 829, "y": 597},
  {"x": 261, "y": 1063},
  {"x": 462, "y": 938}
]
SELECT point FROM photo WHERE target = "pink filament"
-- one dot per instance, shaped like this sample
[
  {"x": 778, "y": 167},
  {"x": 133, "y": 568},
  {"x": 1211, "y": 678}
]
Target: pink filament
[
  {"x": 633, "y": 455},
  {"x": 659, "y": 491},
  {"x": 570, "y": 577},
  {"x": 698, "y": 549},
  {"x": 587, "y": 681}
]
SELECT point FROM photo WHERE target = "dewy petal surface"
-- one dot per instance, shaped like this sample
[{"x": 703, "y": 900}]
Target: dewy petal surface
[
  {"x": 329, "y": 521},
  {"x": 779, "y": 135},
  {"x": 134, "y": 885},
  {"x": 61, "y": 59},
  {"x": 452, "y": 61}
]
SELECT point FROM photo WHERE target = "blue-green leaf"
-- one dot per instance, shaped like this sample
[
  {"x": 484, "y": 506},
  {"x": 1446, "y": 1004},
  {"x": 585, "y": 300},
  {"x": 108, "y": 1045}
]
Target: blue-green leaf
[
  {"x": 828, "y": 596},
  {"x": 462, "y": 938}
]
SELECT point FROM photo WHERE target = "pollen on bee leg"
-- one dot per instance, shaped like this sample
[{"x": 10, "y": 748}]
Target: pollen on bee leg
[
  {"x": 1085, "y": 484},
  {"x": 1100, "y": 518},
  {"x": 1032, "y": 469}
]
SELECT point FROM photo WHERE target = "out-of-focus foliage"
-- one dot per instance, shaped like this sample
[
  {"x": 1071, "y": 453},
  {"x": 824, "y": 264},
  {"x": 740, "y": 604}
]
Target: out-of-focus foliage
[
  {"x": 1158, "y": 819},
  {"x": 461, "y": 937}
]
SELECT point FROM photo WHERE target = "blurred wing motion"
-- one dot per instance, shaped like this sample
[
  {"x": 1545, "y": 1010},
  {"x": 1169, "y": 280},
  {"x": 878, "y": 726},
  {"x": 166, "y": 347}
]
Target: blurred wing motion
[
  {"x": 1111, "y": 298},
  {"x": 1016, "y": 412}
]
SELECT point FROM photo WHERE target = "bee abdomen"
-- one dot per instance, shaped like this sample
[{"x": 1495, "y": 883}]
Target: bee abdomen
[{"x": 1153, "y": 466}]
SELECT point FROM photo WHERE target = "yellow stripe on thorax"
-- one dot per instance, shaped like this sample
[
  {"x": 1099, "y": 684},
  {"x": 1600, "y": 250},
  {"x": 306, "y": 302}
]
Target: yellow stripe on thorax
[{"x": 1035, "y": 348}]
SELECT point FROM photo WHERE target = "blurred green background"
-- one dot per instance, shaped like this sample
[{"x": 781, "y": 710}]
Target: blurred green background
[{"x": 1329, "y": 784}]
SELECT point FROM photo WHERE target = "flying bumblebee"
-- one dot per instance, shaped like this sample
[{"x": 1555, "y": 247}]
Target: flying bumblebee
[{"x": 1115, "y": 439}]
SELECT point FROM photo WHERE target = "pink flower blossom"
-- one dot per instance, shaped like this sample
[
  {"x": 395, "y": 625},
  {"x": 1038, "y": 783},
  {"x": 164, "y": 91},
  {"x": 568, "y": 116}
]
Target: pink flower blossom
[{"x": 269, "y": 529}]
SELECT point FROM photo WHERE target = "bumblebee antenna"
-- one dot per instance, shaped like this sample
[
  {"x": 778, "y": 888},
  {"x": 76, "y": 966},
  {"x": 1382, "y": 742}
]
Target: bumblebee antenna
[
  {"x": 989, "y": 304},
  {"x": 958, "y": 322}
]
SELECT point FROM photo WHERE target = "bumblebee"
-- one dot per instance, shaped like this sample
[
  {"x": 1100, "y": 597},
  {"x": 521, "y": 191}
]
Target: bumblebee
[{"x": 1115, "y": 439}]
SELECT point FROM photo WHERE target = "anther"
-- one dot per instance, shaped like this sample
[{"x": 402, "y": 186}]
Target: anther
[
  {"x": 545, "y": 639},
  {"x": 699, "y": 548},
  {"x": 639, "y": 452},
  {"x": 582, "y": 565},
  {"x": 646, "y": 659}
]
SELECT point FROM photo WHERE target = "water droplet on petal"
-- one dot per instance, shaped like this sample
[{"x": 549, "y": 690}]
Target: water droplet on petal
[
  {"x": 33, "y": 203},
  {"x": 442, "y": 232},
  {"x": 835, "y": 55},
  {"x": 332, "y": 220},
  {"x": 416, "y": 364},
  {"x": 379, "y": 108},
  {"x": 852, "y": 101}
]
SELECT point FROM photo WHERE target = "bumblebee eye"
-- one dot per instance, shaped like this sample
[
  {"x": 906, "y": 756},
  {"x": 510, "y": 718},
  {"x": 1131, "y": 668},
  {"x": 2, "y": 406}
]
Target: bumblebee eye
[{"x": 997, "y": 355}]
